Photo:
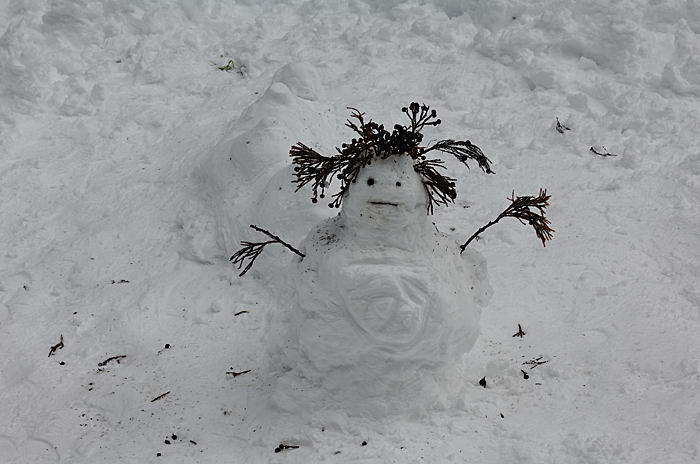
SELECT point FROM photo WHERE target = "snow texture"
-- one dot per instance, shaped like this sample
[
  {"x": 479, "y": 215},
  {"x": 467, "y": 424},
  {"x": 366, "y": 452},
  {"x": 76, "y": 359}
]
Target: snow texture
[{"x": 132, "y": 162}]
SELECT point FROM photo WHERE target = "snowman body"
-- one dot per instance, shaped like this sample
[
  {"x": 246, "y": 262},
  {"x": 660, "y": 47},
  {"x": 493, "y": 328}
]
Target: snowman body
[{"x": 382, "y": 298}]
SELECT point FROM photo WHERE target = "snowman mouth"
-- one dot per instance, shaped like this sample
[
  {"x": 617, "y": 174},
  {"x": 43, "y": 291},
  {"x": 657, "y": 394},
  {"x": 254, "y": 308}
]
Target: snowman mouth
[{"x": 384, "y": 203}]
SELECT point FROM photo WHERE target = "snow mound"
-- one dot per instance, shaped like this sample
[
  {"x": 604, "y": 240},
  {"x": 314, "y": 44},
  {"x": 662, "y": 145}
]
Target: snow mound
[{"x": 246, "y": 178}]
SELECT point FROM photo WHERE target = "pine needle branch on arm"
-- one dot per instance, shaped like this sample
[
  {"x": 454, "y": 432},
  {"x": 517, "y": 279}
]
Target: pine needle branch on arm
[
  {"x": 520, "y": 209},
  {"x": 251, "y": 250}
]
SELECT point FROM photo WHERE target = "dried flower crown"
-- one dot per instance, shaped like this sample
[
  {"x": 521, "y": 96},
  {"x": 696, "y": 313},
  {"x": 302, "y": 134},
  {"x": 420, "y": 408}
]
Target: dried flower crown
[{"x": 375, "y": 141}]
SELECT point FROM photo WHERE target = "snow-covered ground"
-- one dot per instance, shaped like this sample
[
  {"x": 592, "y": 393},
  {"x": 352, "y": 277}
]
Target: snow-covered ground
[{"x": 131, "y": 165}]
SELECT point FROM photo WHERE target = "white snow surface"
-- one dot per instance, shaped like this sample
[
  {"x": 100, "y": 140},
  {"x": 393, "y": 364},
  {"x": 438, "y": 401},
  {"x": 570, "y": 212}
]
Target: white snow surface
[{"x": 131, "y": 166}]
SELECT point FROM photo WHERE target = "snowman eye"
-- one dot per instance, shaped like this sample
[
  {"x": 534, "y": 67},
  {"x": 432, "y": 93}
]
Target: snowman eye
[
  {"x": 398, "y": 184},
  {"x": 370, "y": 181}
]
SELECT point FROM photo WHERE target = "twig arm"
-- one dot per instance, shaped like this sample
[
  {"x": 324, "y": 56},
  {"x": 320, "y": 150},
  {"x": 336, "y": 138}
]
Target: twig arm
[
  {"x": 463, "y": 246},
  {"x": 519, "y": 209},
  {"x": 278, "y": 240},
  {"x": 251, "y": 250}
]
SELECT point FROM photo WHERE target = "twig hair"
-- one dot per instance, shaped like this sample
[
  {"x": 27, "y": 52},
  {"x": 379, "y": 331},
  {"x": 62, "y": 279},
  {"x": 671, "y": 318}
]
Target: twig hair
[{"x": 373, "y": 141}]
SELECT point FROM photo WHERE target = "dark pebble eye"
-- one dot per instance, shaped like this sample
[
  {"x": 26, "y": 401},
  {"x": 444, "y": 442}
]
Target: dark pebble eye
[
  {"x": 398, "y": 184},
  {"x": 370, "y": 181}
]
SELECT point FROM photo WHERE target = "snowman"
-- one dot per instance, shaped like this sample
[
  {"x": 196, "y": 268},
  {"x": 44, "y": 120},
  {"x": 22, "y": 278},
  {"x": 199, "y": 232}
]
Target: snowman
[
  {"x": 381, "y": 301},
  {"x": 379, "y": 307},
  {"x": 382, "y": 298}
]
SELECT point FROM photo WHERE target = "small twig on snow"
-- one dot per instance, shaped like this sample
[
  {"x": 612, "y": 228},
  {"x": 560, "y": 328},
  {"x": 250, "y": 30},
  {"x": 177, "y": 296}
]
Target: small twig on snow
[
  {"x": 227, "y": 67},
  {"x": 283, "y": 447},
  {"x": 520, "y": 332},
  {"x": 602, "y": 153},
  {"x": 112, "y": 358},
  {"x": 160, "y": 396},
  {"x": 57, "y": 346},
  {"x": 533, "y": 363}
]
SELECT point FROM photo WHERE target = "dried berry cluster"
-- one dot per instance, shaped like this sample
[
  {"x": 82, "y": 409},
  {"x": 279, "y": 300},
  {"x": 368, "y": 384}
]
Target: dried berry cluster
[{"x": 375, "y": 141}]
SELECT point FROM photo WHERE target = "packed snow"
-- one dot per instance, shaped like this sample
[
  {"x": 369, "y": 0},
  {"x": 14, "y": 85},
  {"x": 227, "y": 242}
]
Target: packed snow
[{"x": 139, "y": 140}]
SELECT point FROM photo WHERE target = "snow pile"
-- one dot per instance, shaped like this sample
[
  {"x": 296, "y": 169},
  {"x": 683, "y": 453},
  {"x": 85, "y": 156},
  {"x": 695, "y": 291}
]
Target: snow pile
[
  {"x": 245, "y": 178},
  {"x": 384, "y": 303}
]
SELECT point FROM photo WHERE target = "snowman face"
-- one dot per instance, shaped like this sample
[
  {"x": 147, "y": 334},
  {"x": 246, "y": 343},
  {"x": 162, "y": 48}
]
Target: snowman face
[{"x": 388, "y": 189}]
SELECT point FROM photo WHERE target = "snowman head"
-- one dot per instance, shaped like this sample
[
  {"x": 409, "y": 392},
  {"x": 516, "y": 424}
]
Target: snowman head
[
  {"x": 393, "y": 150},
  {"x": 387, "y": 193}
]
